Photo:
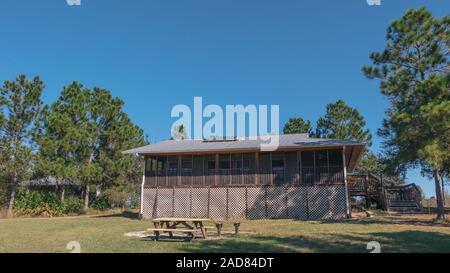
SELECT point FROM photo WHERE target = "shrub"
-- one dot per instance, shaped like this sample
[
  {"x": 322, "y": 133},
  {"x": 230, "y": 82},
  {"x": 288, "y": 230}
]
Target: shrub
[
  {"x": 73, "y": 205},
  {"x": 122, "y": 198},
  {"x": 134, "y": 201},
  {"x": 36, "y": 203},
  {"x": 100, "y": 203}
]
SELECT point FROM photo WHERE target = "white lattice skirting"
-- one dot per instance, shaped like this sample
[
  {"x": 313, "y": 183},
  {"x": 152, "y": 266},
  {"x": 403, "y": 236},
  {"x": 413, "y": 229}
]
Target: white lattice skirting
[{"x": 221, "y": 203}]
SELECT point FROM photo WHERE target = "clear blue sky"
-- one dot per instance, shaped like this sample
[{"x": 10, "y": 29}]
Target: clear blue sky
[{"x": 156, "y": 54}]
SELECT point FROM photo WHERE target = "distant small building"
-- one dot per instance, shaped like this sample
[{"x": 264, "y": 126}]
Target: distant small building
[{"x": 51, "y": 183}]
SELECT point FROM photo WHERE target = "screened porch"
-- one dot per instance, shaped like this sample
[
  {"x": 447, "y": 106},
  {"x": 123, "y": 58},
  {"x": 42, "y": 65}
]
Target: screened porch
[{"x": 240, "y": 169}]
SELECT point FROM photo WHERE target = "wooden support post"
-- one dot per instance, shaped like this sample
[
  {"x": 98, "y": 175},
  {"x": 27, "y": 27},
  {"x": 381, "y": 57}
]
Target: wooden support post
[
  {"x": 217, "y": 170},
  {"x": 368, "y": 191},
  {"x": 300, "y": 167},
  {"x": 257, "y": 171},
  {"x": 236, "y": 228},
  {"x": 179, "y": 171},
  {"x": 347, "y": 200},
  {"x": 242, "y": 169},
  {"x": 219, "y": 229},
  {"x": 271, "y": 169},
  {"x": 315, "y": 176},
  {"x": 192, "y": 170},
  {"x": 167, "y": 170},
  {"x": 284, "y": 168},
  {"x": 141, "y": 212},
  {"x": 230, "y": 175},
  {"x": 328, "y": 169},
  {"x": 203, "y": 170}
]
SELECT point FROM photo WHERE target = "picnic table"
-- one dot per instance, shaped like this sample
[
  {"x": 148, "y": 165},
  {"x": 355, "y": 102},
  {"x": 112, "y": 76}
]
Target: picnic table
[{"x": 191, "y": 226}]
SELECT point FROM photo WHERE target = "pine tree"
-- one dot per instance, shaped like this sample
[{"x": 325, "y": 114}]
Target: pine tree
[
  {"x": 116, "y": 133},
  {"x": 179, "y": 133},
  {"x": 21, "y": 101},
  {"x": 83, "y": 135},
  {"x": 343, "y": 122},
  {"x": 413, "y": 69},
  {"x": 297, "y": 126}
]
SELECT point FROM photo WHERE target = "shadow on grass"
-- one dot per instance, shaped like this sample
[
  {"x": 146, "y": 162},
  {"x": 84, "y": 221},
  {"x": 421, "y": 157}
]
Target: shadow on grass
[
  {"x": 126, "y": 214},
  {"x": 167, "y": 238},
  {"x": 404, "y": 241},
  {"x": 395, "y": 220}
]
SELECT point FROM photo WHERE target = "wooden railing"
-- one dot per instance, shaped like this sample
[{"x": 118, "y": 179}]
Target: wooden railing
[
  {"x": 364, "y": 185},
  {"x": 323, "y": 175},
  {"x": 404, "y": 193}
]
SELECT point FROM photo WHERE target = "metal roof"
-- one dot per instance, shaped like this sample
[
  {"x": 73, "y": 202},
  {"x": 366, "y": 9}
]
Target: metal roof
[{"x": 257, "y": 144}]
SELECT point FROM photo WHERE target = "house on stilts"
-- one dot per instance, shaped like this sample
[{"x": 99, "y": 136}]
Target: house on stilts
[{"x": 303, "y": 178}]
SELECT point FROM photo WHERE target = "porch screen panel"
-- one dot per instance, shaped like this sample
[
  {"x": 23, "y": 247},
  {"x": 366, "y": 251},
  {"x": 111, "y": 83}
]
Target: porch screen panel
[
  {"x": 308, "y": 167},
  {"x": 249, "y": 168},
  {"x": 198, "y": 170},
  {"x": 278, "y": 168},
  {"x": 321, "y": 161},
  {"x": 210, "y": 170},
  {"x": 292, "y": 171},
  {"x": 186, "y": 170},
  {"x": 264, "y": 168},
  {"x": 172, "y": 173},
  {"x": 161, "y": 170},
  {"x": 225, "y": 169},
  {"x": 236, "y": 169},
  {"x": 336, "y": 167},
  {"x": 150, "y": 179}
]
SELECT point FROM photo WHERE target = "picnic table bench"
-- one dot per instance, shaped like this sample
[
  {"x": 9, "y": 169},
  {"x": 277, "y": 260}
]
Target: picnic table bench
[{"x": 191, "y": 226}]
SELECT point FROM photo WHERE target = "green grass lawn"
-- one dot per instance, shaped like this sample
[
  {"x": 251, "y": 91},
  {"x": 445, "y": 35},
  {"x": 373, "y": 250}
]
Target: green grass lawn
[{"x": 106, "y": 234}]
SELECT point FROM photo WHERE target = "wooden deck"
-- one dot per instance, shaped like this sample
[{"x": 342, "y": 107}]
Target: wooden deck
[{"x": 403, "y": 199}]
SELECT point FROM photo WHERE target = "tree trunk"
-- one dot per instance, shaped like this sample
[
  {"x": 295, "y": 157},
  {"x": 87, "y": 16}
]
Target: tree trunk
[
  {"x": 63, "y": 193},
  {"x": 12, "y": 196},
  {"x": 439, "y": 201},
  {"x": 98, "y": 190},
  {"x": 443, "y": 191},
  {"x": 86, "y": 197}
]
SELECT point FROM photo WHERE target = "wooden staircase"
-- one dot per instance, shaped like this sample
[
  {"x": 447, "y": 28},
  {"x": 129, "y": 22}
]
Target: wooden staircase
[
  {"x": 404, "y": 206},
  {"x": 404, "y": 199},
  {"x": 400, "y": 199},
  {"x": 368, "y": 186}
]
